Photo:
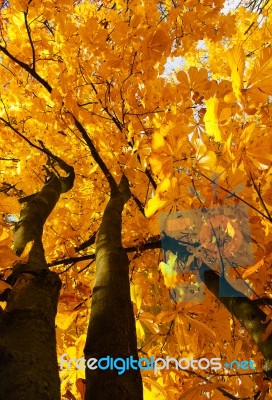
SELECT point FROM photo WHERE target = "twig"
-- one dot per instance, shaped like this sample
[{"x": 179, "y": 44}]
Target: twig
[
  {"x": 132, "y": 249},
  {"x": 139, "y": 204},
  {"x": 87, "y": 243},
  {"x": 237, "y": 197},
  {"x": 260, "y": 196},
  {"x": 27, "y": 68},
  {"x": 30, "y": 40},
  {"x": 96, "y": 156}
]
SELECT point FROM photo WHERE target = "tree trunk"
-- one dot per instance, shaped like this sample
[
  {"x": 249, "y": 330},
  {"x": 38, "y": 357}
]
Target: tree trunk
[
  {"x": 28, "y": 359},
  {"x": 111, "y": 331}
]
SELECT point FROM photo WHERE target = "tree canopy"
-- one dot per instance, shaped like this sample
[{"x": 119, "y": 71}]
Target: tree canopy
[{"x": 176, "y": 95}]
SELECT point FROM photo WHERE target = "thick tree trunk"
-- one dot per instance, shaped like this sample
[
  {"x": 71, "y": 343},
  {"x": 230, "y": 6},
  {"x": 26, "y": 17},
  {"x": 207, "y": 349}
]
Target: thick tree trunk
[
  {"x": 111, "y": 331},
  {"x": 28, "y": 359}
]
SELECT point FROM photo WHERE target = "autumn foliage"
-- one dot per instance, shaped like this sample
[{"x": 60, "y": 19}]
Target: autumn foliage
[{"x": 177, "y": 96}]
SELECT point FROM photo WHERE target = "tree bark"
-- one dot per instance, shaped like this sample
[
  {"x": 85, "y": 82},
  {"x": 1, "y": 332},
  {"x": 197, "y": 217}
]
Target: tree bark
[
  {"x": 28, "y": 359},
  {"x": 111, "y": 330},
  {"x": 246, "y": 311}
]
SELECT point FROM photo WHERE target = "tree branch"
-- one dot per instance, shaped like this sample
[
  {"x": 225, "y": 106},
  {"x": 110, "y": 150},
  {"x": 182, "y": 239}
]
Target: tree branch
[
  {"x": 87, "y": 243},
  {"x": 9, "y": 125},
  {"x": 30, "y": 40},
  {"x": 237, "y": 197},
  {"x": 258, "y": 191},
  {"x": 27, "y": 68},
  {"x": 96, "y": 156},
  {"x": 139, "y": 204},
  {"x": 79, "y": 126},
  {"x": 146, "y": 246}
]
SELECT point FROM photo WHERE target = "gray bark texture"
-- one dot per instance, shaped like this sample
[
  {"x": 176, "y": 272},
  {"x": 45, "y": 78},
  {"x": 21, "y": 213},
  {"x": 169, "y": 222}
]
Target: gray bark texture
[
  {"x": 111, "y": 330},
  {"x": 28, "y": 359}
]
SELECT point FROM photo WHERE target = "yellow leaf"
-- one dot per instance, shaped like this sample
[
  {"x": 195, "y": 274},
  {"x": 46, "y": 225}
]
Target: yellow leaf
[
  {"x": 7, "y": 257},
  {"x": 56, "y": 96},
  {"x": 158, "y": 393},
  {"x": 164, "y": 186},
  {"x": 225, "y": 114},
  {"x": 208, "y": 160},
  {"x": 230, "y": 230},
  {"x": 157, "y": 141},
  {"x": 252, "y": 269},
  {"x": 200, "y": 326},
  {"x": 168, "y": 271},
  {"x": 262, "y": 69},
  {"x": 154, "y": 205},
  {"x": 211, "y": 119},
  {"x": 9, "y": 205},
  {"x": 200, "y": 147},
  {"x": 63, "y": 321},
  {"x": 172, "y": 260},
  {"x": 149, "y": 323},
  {"x": 80, "y": 344},
  {"x": 236, "y": 61},
  {"x": 136, "y": 297},
  {"x": 227, "y": 146},
  {"x": 247, "y": 132},
  {"x": 140, "y": 331},
  {"x": 229, "y": 98},
  {"x": 157, "y": 42},
  {"x": 156, "y": 164},
  {"x": 157, "y": 202}
]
